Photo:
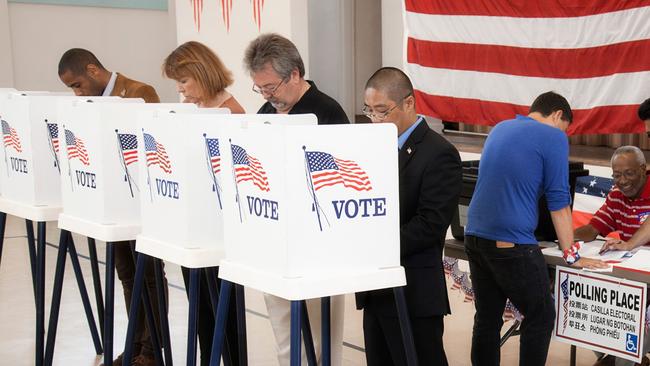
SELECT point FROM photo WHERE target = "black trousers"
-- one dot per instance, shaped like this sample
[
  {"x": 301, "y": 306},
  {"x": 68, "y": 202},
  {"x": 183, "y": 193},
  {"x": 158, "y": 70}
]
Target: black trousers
[
  {"x": 206, "y": 321},
  {"x": 519, "y": 274},
  {"x": 384, "y": 345},
  {"x": 125, "y": 268}
]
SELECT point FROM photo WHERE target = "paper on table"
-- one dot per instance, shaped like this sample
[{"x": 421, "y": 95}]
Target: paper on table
[
  {"x": 591, "y": 250},
  {"x": 639, "y": 262}
]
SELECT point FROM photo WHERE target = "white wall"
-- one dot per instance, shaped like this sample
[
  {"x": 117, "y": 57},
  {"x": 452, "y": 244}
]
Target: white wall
[
  {"x": 331, "y": 47},
  {"x": 392, "y": 33},
  {"x": 133, "y": 42},
  {"x": 367, "y": 46},
  {"x": 6, "y": 68}
]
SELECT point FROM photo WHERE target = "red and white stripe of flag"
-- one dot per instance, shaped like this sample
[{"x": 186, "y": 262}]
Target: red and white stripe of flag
[
  {"x": 197, "y": 7},
  {"x": 78, "y": 150},
  {"x": 13, "y": 140},
  {"x": 160, "y": 158},
  {"x": 130, "y": 156},
  {"x": 258, "y": 6},
  {"x": 349, "y": 174},
  {"x": 483, "y": 62},
  {"x": 254, "y": 172}
]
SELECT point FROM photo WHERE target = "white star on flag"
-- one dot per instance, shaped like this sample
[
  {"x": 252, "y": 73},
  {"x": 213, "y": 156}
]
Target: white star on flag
[
  {"x": 584, "y": 190},
  {"x": 592, "y": 183}
]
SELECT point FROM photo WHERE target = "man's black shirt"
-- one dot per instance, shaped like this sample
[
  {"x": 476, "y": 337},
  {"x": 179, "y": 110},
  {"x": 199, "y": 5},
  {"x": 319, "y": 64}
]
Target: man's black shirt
[{"x": 327, "y": 110}]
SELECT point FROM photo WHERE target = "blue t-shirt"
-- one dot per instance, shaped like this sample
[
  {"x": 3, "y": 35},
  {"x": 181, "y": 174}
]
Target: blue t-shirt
[{"x": 522, "y": 159}]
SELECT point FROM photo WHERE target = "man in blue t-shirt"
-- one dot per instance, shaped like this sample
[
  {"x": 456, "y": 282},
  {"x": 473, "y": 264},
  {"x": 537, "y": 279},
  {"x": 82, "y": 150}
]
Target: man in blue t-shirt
[{"x": 523, "y": 159}]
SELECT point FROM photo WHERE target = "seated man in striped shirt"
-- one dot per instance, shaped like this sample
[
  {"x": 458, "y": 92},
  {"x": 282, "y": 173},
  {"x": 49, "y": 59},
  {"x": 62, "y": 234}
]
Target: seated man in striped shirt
[{"x": 627, "y": 207}]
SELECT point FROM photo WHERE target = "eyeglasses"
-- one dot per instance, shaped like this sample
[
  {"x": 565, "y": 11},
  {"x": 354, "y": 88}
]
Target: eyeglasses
[
  {"x": 267, "y": 91},
  {"x": 376, "y": 114},
  {"x": 380, "y": 115},
  {"x": 628, "y": 174}
]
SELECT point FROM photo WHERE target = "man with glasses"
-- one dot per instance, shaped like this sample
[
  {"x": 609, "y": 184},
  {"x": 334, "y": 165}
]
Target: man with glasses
[
  {"x": 624, "y": 210},
  {"x": 430, "y": 181},
  {"x": 523, "y": 159},
  {"x": 642, "y": 235},
  {"x": 278, "y": 74}
]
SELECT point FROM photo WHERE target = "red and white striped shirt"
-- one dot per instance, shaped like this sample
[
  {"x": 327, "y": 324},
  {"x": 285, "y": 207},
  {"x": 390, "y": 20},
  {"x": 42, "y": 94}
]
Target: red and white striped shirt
[{"x": 622, "y": 214}]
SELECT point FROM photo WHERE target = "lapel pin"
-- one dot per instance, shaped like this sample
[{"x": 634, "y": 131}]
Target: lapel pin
[{"x": 408, "y": 150}]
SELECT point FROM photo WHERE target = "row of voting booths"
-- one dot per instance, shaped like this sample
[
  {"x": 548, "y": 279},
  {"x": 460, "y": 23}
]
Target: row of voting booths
[{"x": 280, "y": 204}]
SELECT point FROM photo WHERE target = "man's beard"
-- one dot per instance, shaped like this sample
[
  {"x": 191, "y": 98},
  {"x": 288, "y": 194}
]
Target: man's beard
[{"x": 278, "y": 105}]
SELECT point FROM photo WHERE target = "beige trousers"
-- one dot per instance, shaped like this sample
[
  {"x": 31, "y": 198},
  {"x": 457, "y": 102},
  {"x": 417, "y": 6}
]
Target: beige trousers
[{"x": 279, "y": 311}]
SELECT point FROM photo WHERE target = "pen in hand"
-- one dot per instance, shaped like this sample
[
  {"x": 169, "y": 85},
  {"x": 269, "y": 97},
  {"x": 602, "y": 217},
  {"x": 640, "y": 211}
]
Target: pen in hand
[{"x": 608, "y": 246}]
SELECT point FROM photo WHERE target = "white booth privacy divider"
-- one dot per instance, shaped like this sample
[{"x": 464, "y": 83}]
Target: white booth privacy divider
[
  {"x": 182, "y": 183},
  {"x": 30, "y": 179},
  {"x": 316, "y": 210},
  {"x": 30, "y": 165},
  {"x": 315, "y": 213},
  {"x": 99, "y": 169},
  {"x": 182, "y": 220},
  {"x": 99, "y": 175}
]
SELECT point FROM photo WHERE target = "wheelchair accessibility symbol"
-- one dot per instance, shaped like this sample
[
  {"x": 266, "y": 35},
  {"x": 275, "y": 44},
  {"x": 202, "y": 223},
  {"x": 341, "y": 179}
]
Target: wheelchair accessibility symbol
[{"x": 631, "y": 342}]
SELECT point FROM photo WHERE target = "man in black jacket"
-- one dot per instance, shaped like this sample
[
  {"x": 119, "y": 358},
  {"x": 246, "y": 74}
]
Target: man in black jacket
[
  {"x": 278, "y": 74},
  {"x": 430, "y": 178}
]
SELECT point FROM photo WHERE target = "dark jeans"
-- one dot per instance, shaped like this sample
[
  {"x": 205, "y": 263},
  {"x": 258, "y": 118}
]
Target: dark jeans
[
  {"x": 519, "y": 274},
  {"x": 206, "y": 321},
  {"x": 384, "y": 346},
  {"x": 125, "y": 267}
]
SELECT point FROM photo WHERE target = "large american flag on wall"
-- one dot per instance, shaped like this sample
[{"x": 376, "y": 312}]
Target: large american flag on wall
[{"x": 483, "y": 61}]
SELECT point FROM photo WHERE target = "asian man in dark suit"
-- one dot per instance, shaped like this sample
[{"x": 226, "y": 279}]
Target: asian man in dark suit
[{"x": 429, "y": 180}]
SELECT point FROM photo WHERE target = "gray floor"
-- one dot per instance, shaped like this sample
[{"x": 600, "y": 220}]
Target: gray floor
[{"x": 74, "y": 345}]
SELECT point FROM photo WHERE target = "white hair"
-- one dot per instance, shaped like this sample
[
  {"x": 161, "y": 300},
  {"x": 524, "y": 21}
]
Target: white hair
[{"x": 638, "y": 154}]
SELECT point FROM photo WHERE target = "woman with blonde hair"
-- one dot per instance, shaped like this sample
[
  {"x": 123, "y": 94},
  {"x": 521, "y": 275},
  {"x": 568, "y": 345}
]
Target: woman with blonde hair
[{"x": 201, "y": 77}]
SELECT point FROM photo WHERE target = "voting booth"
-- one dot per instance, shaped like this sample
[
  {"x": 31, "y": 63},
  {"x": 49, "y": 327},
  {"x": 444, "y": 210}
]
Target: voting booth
[
  {"x": 99, "y": 166},
  {"x": 182, "y": 182},
  {"x": 315, "y": 210},
  {"x": 30, "y": 180},
  {"x": 30, "y": 164}
]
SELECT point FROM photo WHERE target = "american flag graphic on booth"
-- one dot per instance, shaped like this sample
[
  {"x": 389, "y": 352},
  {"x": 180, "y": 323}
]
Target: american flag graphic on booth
[
  {"x": 215, "y": 155},
  {"x": 327, "y": 170},
  {"x": 10, "y": 136},
  {"x": 76, "y": 148},
  {"x": 129, "y": 147},
  {"x": 247, "y": 167},
  {"x": 156, "y": 154},
  {"x": 53, "y": 130}
]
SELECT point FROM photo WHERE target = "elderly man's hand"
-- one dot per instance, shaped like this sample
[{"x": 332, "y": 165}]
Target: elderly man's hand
[{"x": 615, "y": 244}]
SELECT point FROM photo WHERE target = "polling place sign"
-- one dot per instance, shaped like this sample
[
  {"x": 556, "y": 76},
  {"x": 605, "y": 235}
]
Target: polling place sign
[{"x": 600, "y": 312}]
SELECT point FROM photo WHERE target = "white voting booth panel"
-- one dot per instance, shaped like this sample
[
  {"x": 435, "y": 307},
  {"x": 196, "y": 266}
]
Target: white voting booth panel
[
  {"x": 316, "y": 210},
  {"x": 30, "y": 165},
  {"x": 182, "y": 196},
  {"x": 99, "y": 175}
]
